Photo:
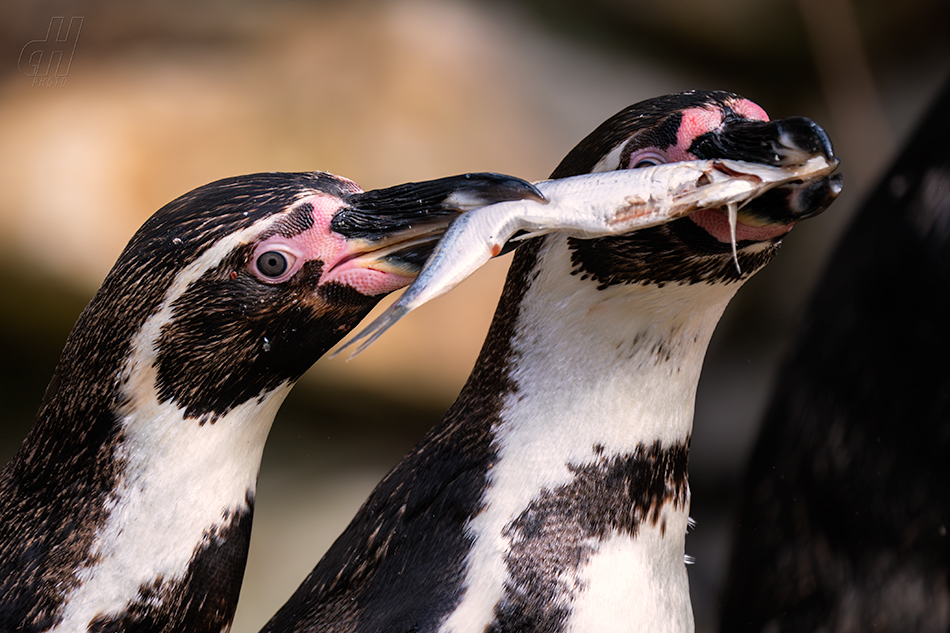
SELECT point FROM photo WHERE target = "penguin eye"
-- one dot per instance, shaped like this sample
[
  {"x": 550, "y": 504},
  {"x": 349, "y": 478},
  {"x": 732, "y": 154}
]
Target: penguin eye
[
  {"x": 648, "y": 158},
  {"x": 272, "y": 263},
  {"x": 276, "y": 260}
]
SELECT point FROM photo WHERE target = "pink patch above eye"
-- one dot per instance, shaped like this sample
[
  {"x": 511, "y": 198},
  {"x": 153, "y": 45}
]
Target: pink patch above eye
[
  {"x": 315, "y": 243},
  {"x": 342, "y": 259},
  {"x": 695, "y": 122},
  {"x": 750, "y": 110},
  {"x": 698, "y": 121}
]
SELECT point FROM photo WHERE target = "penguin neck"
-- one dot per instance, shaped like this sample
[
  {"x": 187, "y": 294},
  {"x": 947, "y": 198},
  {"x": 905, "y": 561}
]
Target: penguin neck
[
  {"x": 584, "y": 516},
  {"x": 613, "y": 366},
  {"x": 144, "y": 512},
  {"x": 174, "y": 542}
]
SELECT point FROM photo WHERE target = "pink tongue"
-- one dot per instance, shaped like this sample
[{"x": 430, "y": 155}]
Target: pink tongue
[{"x": 716, "y": 223}]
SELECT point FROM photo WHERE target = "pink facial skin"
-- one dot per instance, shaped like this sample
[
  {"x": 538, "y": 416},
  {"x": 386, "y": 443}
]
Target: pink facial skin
[
  {"x": 715, "y": 222},
  {"x": 343, "y": 260},
  {"x": 695, "y": 123}
]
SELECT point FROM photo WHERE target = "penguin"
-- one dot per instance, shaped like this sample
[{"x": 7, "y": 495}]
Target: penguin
[
  {"x": 128, "y": 506},
  {"x": 553, "y": 495},
  {"x": 844, "y": 508}
]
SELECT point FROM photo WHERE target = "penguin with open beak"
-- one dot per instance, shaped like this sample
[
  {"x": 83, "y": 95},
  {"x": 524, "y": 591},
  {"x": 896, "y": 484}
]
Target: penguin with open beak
[
  {"x": 128, "y": 506},
  {"x": 553, "y": 495}
]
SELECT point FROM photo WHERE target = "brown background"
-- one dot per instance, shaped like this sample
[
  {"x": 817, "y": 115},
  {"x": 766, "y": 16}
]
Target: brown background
[{"x": 161, "y": 97}]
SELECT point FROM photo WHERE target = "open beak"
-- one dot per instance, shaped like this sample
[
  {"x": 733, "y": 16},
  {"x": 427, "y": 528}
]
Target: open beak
[
  {"x": 394, "y": 230},
  {"x": 780, "y": 143}
]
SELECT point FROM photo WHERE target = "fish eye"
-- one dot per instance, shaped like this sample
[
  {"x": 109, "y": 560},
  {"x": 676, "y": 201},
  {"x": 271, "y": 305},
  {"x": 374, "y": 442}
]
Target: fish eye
[{"x": 272, "y": 264}]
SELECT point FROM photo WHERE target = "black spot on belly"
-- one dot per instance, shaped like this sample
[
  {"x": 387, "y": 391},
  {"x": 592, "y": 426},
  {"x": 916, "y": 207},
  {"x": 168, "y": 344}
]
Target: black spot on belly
[
  {"x": 560, "y": 530},
  {"x": 400, "y": 565}
]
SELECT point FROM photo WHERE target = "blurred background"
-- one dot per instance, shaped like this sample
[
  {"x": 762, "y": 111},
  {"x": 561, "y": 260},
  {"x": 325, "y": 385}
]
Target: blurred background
[{"x": 149, "y": 100}]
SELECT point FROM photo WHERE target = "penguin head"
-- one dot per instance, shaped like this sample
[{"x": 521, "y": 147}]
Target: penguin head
[
  {"x": 238, "y": 286},
  {"x": 700, "y": 125},
  {"x": 131, "y": 499}
]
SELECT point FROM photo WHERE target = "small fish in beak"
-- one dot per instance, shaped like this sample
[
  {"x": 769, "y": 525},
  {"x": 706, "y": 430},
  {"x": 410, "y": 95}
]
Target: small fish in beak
[{"x": 589, "y": 206}]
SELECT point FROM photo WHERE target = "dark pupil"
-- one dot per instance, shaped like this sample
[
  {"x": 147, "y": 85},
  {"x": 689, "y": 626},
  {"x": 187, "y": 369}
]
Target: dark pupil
[
  {"x": 272, "y": 264},
  {"x": 645, "y": 163}
]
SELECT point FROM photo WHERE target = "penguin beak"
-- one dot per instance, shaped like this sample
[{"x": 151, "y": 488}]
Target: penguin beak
[
  {"x": 781, "y": 143},
  {"x": 394, "y": 230}
]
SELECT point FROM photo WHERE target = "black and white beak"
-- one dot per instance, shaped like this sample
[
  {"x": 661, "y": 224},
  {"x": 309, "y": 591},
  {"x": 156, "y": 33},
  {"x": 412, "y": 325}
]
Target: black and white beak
[
  {"x": 392, "y": 231},
  {"x": 780, "y": 143}
]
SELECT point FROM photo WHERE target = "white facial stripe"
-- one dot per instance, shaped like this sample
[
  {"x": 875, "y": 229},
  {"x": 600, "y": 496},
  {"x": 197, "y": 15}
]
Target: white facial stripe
[
  {"x": 144, "y": 349},
  {"x": 616, "y": 367},
  {"x": 610, "y": 161},
  {"x": 181, "y": 479}
]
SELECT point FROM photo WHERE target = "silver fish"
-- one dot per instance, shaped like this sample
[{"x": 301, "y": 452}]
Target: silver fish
[{"x": 588, "y": 206}]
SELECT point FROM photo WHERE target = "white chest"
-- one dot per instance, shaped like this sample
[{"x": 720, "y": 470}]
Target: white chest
[
  {"x": 585, "y": 512},
  {"x": 182, "y": 486}
]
